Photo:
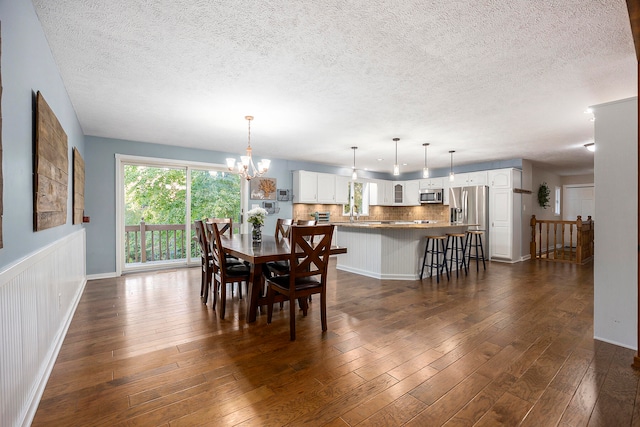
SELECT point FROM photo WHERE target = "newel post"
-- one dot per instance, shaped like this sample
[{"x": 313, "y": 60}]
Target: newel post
[{"x": 532, "y": 244}]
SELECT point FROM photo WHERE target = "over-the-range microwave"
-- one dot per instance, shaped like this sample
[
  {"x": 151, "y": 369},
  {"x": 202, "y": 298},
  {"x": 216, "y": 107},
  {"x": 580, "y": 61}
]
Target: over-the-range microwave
[{"x": 431, "y": 195}]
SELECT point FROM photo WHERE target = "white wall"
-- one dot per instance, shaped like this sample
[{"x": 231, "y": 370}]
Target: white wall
[{"x": 616, "y": 229}]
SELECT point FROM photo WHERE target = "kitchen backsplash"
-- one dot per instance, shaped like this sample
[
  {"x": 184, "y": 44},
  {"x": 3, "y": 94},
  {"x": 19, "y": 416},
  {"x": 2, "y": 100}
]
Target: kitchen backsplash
[{"x": 376, "y": 213}]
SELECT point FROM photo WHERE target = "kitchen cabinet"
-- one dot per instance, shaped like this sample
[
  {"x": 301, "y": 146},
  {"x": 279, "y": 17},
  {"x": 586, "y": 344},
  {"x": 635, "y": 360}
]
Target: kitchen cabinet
[
  {"x": 429, "y": 183},
  {"x": 469, "y": 178},
  {"x": 505, "y": 221},
  {"x": 313, "y": 187},
  {"x": 381, "y": 193},
  {"x": 326, "y": 188},
  {"x": 305, "y": 187},
  {"x": 412, "y": 193},
  {"x": 342, "y": 189}
]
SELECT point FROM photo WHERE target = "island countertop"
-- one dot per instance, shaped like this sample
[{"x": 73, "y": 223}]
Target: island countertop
[
  {"x": 388, "y": 249},
  {"x": 418, "y": 224}
]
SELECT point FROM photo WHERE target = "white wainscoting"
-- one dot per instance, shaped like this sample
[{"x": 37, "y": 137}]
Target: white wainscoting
[{"x": 38, "y": 296}]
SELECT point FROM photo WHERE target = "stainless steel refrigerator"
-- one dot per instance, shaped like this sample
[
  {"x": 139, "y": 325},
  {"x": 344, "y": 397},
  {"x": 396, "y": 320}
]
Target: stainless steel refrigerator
[{"x": 470, "y": 205}]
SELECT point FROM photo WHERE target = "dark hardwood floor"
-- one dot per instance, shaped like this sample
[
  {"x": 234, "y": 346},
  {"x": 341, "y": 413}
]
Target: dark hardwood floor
[{"x": 509, "y": 346}]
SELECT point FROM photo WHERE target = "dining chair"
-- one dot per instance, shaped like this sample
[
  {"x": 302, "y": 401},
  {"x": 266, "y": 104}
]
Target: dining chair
[
  {"x": 308, "y": 260},
  {"x": 205, "y": 258},
  {"x": 226, "y": 225},
  {"x": 226, "y": 228},
  {"x": 283, "y": 231},
  {"x": 224, "y": 272}
]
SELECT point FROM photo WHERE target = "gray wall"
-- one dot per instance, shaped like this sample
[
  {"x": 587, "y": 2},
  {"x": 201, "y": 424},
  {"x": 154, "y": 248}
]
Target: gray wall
[{"x": 28, "y": 67}]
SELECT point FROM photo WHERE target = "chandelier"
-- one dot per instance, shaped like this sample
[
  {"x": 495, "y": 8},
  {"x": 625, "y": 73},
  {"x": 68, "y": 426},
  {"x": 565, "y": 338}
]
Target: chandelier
[{"x": 246, "y": 168}]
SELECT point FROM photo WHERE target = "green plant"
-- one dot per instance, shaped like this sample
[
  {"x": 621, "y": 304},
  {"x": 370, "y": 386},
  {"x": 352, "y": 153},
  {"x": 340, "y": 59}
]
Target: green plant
[{"x": 543, "y": 195}]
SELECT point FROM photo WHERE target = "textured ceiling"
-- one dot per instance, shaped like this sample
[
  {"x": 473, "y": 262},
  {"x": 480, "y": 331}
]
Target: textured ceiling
[{"x": 491, "y": 79}]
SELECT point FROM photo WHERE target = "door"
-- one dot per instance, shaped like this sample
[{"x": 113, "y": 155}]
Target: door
[
  {"x": 578, "y": 200},
  {"x": 156, "y": 203},
  {"x": 501, "y": 229}
]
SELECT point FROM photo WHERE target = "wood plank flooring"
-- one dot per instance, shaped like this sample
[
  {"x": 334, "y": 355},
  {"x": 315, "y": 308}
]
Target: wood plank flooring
[{"x": 509, "y": 346}]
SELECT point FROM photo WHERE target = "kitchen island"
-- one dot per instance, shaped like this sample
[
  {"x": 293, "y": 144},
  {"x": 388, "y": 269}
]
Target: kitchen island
[{"x": 388, "y": 249}]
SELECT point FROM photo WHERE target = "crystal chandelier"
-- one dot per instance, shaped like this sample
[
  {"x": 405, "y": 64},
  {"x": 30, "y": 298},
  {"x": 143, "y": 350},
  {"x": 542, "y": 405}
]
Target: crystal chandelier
[{"x": 246, "y": 168}]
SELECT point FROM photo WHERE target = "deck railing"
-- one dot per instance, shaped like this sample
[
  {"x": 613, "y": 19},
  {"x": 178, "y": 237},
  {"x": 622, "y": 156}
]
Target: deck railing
[
  {"x": 562, "y": 241},
  {"x": 156, "y": 242}
]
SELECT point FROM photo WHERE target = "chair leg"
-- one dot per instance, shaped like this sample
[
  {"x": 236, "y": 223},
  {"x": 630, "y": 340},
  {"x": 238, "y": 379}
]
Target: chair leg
[
  {"x": 223, "y": 299},
  {"x": 292, "y": 319},
  {"x": 323, "y": 310},
  {"x": 270, "y": 296},
  {"x": 214, "y": 291}
]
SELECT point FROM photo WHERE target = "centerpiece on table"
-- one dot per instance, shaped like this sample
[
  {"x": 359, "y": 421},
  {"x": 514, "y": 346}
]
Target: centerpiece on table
[{"x": 256, "y": 218}]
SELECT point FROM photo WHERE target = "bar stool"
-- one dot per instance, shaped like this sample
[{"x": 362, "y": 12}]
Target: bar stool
[
  {"x": 435, "y": 247},
  {"x": 455, "y": 244},
  {"x": 474, "y": 240}
]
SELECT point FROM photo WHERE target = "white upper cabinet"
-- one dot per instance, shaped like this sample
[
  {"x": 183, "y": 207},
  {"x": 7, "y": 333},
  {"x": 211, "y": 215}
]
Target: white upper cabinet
[
  {"x": 428, "y": 183},
  {"x": 313, "y": 187},
  {"x": 326, "y": 188},
  {"x": 501, "y": 178},
  {"x": 305, "y": 187},
  {"x": 342, "y": 189},
  {"x": 412, "y": 193},
  {"x": 469, "y": 179}
]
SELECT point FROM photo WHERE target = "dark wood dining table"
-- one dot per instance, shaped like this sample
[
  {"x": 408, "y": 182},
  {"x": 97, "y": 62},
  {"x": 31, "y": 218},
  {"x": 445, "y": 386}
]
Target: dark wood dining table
[{"x": 257, "y": 254}]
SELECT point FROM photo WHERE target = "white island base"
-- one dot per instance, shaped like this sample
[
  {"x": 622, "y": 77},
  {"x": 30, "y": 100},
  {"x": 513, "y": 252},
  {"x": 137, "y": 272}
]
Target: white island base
[{"x": 387, "y": 251}]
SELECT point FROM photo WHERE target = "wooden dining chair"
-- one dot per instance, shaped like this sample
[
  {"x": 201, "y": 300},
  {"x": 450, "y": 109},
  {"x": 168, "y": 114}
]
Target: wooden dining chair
[
  {"x": 309, "y": 260},
  {"x": 283, "y": 231},
  {"x": 226, "y": 225},
  {"x": 283, "y": 228},
  {"x": 226, "y": 228},
  {"x": 224, "y": 272},
  {"x": 205, "y": 258}
]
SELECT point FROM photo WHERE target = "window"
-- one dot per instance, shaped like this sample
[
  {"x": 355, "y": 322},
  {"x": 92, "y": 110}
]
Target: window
[
  {"x": 556, "y": 209},
  {"x": 358, "y": 198}
]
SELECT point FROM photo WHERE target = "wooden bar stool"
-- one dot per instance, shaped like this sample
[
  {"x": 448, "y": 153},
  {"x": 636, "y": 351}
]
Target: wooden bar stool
[
  {"x": 474, "y": 241},
  {"x": 435, "y": 247},
  {"x": 456, "y": 249}
]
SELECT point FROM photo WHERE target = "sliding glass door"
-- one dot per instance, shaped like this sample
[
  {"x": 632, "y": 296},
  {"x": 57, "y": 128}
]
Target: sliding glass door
[{"x": 158, "y": 200}]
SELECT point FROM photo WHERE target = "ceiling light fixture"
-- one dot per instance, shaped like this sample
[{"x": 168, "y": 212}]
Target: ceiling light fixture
[
  {"x": 246, "y": 168},
  {"x": 354, "y": 174},
  {"x": 591, "y": 146},
  {"x": 425, "y": 169},
  {"x": 451, "y": 176},
  {"x": 396, "y": 167}
]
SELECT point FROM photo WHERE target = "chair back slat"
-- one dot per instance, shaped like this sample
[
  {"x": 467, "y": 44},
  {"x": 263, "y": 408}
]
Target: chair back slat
[
  {"x": 225, "y": 225},
  {"x": 201, "y": 236},
  {"x": 217, "y": 256},
  {"x": 306, "y": 222},
  {"x": 283, "y": 228},
  {"x": 310, "y": 247}
]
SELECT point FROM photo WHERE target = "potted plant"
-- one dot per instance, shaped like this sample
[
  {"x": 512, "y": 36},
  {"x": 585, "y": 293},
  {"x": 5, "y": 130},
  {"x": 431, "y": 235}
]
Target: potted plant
[
  {"x": 256, "y": 218},
  {"x": 543, "y": 195}
]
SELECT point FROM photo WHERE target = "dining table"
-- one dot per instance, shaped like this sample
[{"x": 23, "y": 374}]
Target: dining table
[{"x": 257, "y": 254}]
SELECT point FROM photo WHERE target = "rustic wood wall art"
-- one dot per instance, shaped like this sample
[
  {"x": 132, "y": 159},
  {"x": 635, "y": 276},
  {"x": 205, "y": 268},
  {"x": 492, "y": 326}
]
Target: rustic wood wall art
[
  {"x": 51, "y": 169},
  {"x": 78, "y": 187}
]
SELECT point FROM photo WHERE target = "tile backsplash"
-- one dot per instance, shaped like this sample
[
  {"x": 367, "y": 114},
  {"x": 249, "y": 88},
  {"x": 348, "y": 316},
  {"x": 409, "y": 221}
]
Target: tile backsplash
[{"x": 376, "y": 213}]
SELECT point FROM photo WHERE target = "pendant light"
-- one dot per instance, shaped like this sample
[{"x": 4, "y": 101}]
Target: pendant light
[
  {"x": 354, "y": 174},
  {"x": 425, "y": 169},
  {"x": 396, "y": 167},
  {"x": 451, "y": 176}
]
